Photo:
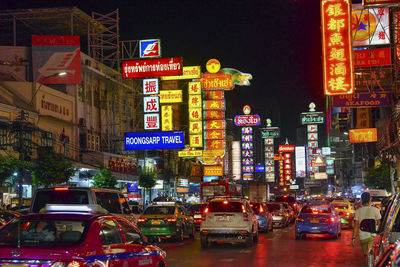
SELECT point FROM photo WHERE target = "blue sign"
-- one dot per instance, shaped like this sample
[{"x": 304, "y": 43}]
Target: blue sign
[
  {"x": 132, "y": 187},
  {"x": 260, "y": 168},
  {"x": 155, "y": 140},
  {"x": 150, "y": 48},
  {"x": 209, "y": 178}
]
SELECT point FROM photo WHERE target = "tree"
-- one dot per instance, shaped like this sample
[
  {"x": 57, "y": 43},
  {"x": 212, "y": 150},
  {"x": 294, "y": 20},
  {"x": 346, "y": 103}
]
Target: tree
[
  {"x": 10, "y": 165},
  {"x": 104, "y": 179},
  {"x": 51, "y": 168},
  {"x": 147, "y": 182},
  {"x": 379, "y": 176}
]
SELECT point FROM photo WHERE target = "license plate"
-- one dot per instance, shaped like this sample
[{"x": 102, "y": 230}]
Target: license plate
[
  {"x": 154, "y": 228},
  {"x": 155, "y": 222},
  {"x": 197, "y": 216},
  {"x": 314, "y": 221},
  {"x": 223, "y": 219}
]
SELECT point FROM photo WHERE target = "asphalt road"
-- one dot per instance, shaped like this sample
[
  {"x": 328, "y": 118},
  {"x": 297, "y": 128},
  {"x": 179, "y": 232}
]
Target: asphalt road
[{"x": 277, "y": 248}]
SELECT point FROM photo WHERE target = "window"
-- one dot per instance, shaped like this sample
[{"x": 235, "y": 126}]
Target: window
[
  {"x": 3, "y": 138},
  {"x": 125, "y": 205},
  {"x": 59, "y": 197},
  {"x": 130, "y": 232},
  {"x": 110, "y": 233},
  {"x": 109, "y": 201},
  {"x": 225, "y": 206},
  {"x": 165, "y": 210},
  {"x": 214, "y": 190},
  {"x": 47, "y": 139}
]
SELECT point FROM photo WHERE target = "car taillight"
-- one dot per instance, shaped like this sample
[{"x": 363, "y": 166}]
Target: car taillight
[
  {"x": 63, "y": 188},
  {"x": 245, "y": 216},
  {"x": 261, "y": 209},
  {"x": 330, "y": 220},
  {"x": 299, "y": 219},
  {"x": 170, "y": 219},
  {"x": 204, "y": 215},
  {"x": 69, "y": 263},
  {"x": 348, "y": 214},
  {"x": 142, "y": 220}
]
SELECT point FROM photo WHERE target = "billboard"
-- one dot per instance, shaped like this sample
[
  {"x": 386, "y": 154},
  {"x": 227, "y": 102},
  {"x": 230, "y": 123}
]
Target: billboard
[
  {"x": 363, "y": 135},
  {"x": 337, "y": 47},
  {"x": 192, "y": 72},
  {"x": 170, "y": 96},
  {"x": 362, "y": 100},
  {"x": 150, "y": 48},
  {"x": 154, "y": 140},
  {"x": 300, "y": 158},
  {"x": 379, "y": 2},
  {"x": 54, "y": 54},
  {"x": 372, "y": 57},
  {"x": 151, "y": 67}
]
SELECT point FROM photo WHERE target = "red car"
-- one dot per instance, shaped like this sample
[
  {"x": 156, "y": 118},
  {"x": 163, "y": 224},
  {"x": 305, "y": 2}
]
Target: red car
[{"x": 76, "y": 239}]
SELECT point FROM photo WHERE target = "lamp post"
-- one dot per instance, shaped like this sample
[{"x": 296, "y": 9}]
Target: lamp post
[{"x": 63, "y": 73}]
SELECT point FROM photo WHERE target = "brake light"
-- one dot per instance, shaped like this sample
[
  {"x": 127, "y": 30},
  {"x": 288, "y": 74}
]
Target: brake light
[
  {"x": 170, "y": 219},
  {"x": 315, "y": 212},
  {"x": 69, "y": 263},
  {"x": 203, "y": 216},
  {"x": 330, "y": 219},
  {"x": 61, "y": 188},
  {"x": 298, "y": 219},
  {"x": 225, "y": 202},
  {"x": 348, "y": 214},
  {"x": 261, "y": 209},
  {"x": 205, "y": 210},
  {"x": 245, "y": 216},
  {"x": 142, "y": 220}
]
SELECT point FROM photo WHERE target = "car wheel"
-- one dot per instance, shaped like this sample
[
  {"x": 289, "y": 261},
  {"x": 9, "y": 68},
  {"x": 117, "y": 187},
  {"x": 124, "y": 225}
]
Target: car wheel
[
  {"x": 191, "y": 235},
  {"x": 249, "y": 240},
  {"x": 160, "y": 264},
  {"x": 297, "y": 236},
  {"x": 179, "y": 236},
  {"x": 204, "y": 242}
]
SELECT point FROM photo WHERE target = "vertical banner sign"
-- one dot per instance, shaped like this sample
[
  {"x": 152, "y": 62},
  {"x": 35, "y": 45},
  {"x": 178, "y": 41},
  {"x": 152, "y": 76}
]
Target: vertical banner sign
[
  {"x": 247, "y": 153},
  {"x": 166, "y": 116},
  {"x": 281, "y": 171},
  {"x": 337, "y": 47},
  {"x": 269, "y": 160},
  {"x": 195, "y": 115},
  {"x": 287, "y": 168}
]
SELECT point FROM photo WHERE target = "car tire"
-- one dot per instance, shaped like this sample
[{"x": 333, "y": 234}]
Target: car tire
[
  {"x": 160, "y": 264},
  {"x": 191, "y": 235},
  {"x": 203, "y": 242},
  {"x": 249, "y": 240},
  {"x": 180, "y": 237},
  {"x": 297, "y": 236}
]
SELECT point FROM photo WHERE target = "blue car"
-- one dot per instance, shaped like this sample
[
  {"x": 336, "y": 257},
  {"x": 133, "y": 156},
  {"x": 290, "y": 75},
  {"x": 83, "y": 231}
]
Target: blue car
[{"x": 317, "y": 219}]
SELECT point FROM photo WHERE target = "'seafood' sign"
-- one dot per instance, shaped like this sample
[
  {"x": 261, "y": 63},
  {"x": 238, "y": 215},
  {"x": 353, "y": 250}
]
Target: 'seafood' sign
[
  {"x": 363, "y": 135},
  {"x": 213, "y": 171},
  {"x": 337, "y": 47}
]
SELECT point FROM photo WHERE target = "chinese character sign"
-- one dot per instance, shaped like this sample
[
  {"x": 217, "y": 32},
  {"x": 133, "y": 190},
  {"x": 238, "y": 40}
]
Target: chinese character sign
[
  {"x": 337, "y": 47},
  {"x": 195, "y": 115},
  {"x": 152, "y": 121},
  {"x": 150, "y": 86},
  {"x": 151, "y": 104},
  {"x": 166, "y": 115}
]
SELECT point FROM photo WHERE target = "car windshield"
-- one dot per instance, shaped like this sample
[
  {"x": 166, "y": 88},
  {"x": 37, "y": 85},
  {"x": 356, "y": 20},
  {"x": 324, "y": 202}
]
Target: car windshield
[
  {"x": 214, "y": 190},
  {"x": 377, "y": 198},
  {"x": 43, "y": 232},
  {"x": 257, "y": 208},
  {"x": 273, "y": 207},
  {"x": 288, "y": 199},
  {"x": 225, "y": 206},
  {"x": 59, "y": 197},
  {"x": 164, "y": 210},
  {"x": 316, "y": 209},
  {"x": 340, "y": 206},
  {"x": 197, "y": 207}
]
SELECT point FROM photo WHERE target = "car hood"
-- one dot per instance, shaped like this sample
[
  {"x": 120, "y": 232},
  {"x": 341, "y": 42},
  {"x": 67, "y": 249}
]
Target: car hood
[{"x": 43, "y": 253}]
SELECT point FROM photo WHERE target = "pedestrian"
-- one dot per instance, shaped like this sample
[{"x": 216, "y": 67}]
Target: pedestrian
[{"x": 365, "y": 212}]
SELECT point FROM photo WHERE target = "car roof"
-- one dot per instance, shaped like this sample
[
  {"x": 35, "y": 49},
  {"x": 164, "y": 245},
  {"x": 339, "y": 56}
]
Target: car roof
[
  {"x": 340, "y": 202},
  {"x": 78, "y": 188},
  {"x": 79, "y": 216},
  {"x": 219, "y": 199}
]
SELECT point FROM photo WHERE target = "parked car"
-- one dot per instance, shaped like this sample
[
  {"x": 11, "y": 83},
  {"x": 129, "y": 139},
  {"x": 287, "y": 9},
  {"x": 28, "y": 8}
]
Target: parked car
[
  {"x": 377, "y": 195},
  {"x": 264, "y": 217},
  {"x": 197, "y": 210},
  {"x": 229, "y": 219},
  {"x": 81, "y": 236},
  {"x": 317, "y": 219},
  {"x": 280, "y": 217}
]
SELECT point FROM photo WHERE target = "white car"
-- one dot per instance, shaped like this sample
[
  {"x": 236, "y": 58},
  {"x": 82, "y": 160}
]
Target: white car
[{"x": 229, "y": 220}]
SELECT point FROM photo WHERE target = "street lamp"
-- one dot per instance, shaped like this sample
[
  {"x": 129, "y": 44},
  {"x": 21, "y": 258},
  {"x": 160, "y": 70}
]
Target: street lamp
[{"x": 63, "y": 73}]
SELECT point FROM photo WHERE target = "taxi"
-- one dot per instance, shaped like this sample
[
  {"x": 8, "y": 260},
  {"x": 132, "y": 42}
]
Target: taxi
[
  {"x": 345, "y": 211},
  {"x": 76, "y": 235},
  {"x": 166, "y": 220}
]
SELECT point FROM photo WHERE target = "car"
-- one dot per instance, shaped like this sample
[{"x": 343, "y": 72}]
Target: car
[
  {"x": 317, "y": 219},
  {"x": 346, "y": 212},
  {"x": 196, "y": 210},
  {"x": 263, "y": 216},
  {"x": 280, "y": 217},
  {"x": 228, "y": 219},
  {"x": 291, "y": 201},
  {"x": 377, "y": 195},
  {"x": 8, "y": 215},
  {"x": 76, "y": 235},
  {"x": 290, "y": 212},
  {"x": 166, "y": 220}
]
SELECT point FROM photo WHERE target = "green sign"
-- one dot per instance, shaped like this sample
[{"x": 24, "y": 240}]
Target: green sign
[
  {"x": 312, "y": 117},
  {"x": 271, "y": 132}
]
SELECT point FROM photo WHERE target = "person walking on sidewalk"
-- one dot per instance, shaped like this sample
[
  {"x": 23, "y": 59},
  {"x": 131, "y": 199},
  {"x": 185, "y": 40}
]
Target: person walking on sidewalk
[{"x": 365, "y": 212}]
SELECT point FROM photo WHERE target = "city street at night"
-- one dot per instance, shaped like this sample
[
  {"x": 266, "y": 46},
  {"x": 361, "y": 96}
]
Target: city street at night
[{"x": 277, "y": 248}]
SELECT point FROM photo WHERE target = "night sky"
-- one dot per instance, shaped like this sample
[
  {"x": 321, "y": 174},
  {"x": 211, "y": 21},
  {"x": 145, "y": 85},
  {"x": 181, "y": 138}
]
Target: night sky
[{"x": 277, "y": 41}]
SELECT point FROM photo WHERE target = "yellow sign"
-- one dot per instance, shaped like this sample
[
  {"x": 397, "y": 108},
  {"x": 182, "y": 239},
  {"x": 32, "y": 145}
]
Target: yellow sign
[
  {"x": 166, "y": 116},
  {"x": 195, "y": 127},
  {"x": 195, "y": 114},
  {"x": 195, "y": 101},
  {"x": 214, "y": 153},
  {"x": 213, "y": 171},
  {"x": 213, "y": 66},
  {"x": 192, "y": 153},
  {"x": 170, "y": 96},
  {"x": 192, "y": 72},
  {"x": 194, "y": 88},
  {"x": 196, "y": 140}
]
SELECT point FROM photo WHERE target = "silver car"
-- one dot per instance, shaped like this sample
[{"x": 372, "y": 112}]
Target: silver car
[
  {"x": 280, "y": 217},
  {"x": 229, "y": 220}
]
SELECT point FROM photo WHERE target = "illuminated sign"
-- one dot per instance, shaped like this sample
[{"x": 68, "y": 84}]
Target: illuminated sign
[
  {"x": 214, "y": 153},
  {"x": 190, "y": 153},
  {"x": 132, "y": 187},
  {"x": 311, "y": 117},
  {"x": 363, "y": 135},
  {"x": 373, "y": 57},
  {"x": 150, "y": 48},
  {"x": 214, "y": 104},
  {"x": 312, "y": 128},
  {"x": 151, "y": 104},
  {"x": 210, "y": 81},
  {"x": 260, "y": 168},
  {"x": 196, "y": 140},
  {"x": 300, "y": 161},
  {"x": 194, "y": 88},
  {"x": 192, "y": 72},
  {"x": 213, "y": 65},
  {"x": 286, "y": 148},
  {"x": 195, "y": 114},
  {"x": 170, "y": 96},
  {"x": 213, "y": 171},
  {"x": 182, "y": 190},
  {"x": 238, "y": 77},
  {"x": 337, "y": 47},
  {"x": 320, "y": 176},
  {"x": 376, "y": 80},
  {"x": 195, "y": 127},
  {"x": 214, "y": 95},
  {"x": 362, "y": 100},
  {"x": 370, "y": 26},
  {"x": 215, "y": 124},
  {"x": 182, "y": 182},
  {"x": 215, "y": 134},
  {"x": 379, "y": 2},
  {"x": 151, "y": 67},
  {"x": 272, "y": 132},
  {"x": 166, "y": 118},
  {"x": 150, "y": 86},
  {"x": 151, "y": 121},
  {"x": 215, "y": 144},
  {"x": 195, "y": 101},
  {"x": 213, "y": 114},
  {"x": 154, "y": 140},
  {"x": 247, "y": 120},
  {"x": 247, "y": 130}
]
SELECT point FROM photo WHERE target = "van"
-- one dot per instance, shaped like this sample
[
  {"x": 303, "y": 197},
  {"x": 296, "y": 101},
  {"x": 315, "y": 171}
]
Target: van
[
  {"x": 377, "y": 195},
  {"x": 111, "y": 200}
]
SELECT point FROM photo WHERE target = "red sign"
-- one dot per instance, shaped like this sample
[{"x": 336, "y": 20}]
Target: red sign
[
  {"x": 215, "y": 144},
  {"x": 215, "y": 81},
  {"x": 214, "y": 115},
  {"x": 286, "y": 148},
  {"x": 215, "y": 134},
  {"x": 379, "y": 2},
  {"x": 337, "y": 47},
  {"x": 215, "y": 124},
  {"x": 247, "y": 120},
  {"x": 152, "y": 67},
  {"x": 214, "y": 104},
  {"x": 372, "y": 57},
  {"x": 214, "y": 95}
]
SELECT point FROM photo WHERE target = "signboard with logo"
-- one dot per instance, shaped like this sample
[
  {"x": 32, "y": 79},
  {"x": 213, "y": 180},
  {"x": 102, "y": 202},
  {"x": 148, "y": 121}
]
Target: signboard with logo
[
  {"x": 132, "y": 187},
  {"x": 311, "y": 117},
  {"x": 170, "y": 96},
  {"x": 151, "y": 67},
  {"x": 150, "y": 48},
  {"x": 154, "y": 140},
  {"x": 286, "y": 148},
  {"x": 373, "y": 57},
  {"x": 150, "y": 86},
  {"x": 337, "y": 47},
  {"x": 270, "y": 132},
  {"x": 363, "y": 135},
  {"x": 247, "y": 120},
  {"x": 213, "y": 171},
  {"x": 190, "y": 153},
  {"x": 363, "y": 100},
  {"x": 192, "y": 72}
]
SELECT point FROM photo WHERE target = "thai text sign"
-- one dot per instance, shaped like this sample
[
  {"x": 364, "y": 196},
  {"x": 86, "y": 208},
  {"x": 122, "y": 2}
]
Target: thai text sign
[
  {"x": 311, "y": 117},
  {"x": 170, "y": 96},
  {"x": 215, "y": 81},
  {"x": 213, "y": 171},
  {"x": 337, "y": 47},
  {"x": 154, "y": 140},
  {"x": 373, "y": 79},
  {"x": 363, "y": 135},
  {"x": 152, "y": 67},
  {"x": 362, "y": 100},
  {"x": 247, "y": 120},
  {"x": 272, "y": 132},
  {"x": 372, "y": 57},
  {"x": 192, "y": 72},
  {"x": 190, "y": 153},
  {"x": 379, "y": 2}
]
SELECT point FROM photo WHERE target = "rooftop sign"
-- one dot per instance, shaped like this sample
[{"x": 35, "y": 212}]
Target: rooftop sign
[
  {"x": 311, "y": 117},
  {"x": 152, "y": 67},
  {"x": 247, "y": 120}
]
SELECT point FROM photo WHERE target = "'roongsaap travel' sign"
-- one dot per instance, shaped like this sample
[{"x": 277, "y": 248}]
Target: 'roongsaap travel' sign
[
  {"x": 154, "y": 140},
  {"x": 152, "y": 67}
]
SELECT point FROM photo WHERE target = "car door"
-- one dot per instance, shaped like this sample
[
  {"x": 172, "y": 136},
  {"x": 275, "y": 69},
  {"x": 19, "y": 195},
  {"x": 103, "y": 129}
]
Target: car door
[
  {"x": 181, "y": 216},
  {"x": 134, "y": 242},
  {"x": 113, "y": 246}
]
